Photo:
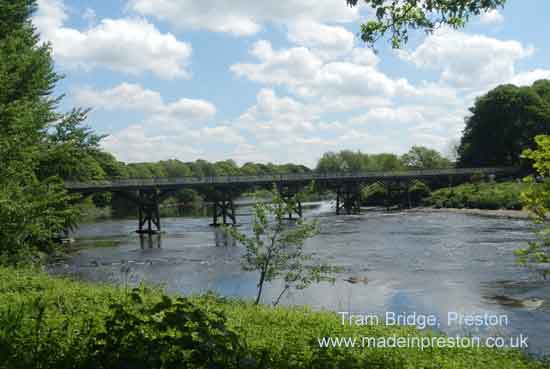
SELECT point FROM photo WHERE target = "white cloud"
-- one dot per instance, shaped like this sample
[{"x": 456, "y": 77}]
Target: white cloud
[
  {"x": 364, "y": 56},
  {"x": 274, "y": 116},
  {"x": 167, "y": 130},
  {"x": 136, "y": 144},
  {"x": 468, "y": 61},
  {"x": 123, "y": 96},
  {"x": 50, "y": 15},
  {"x": 135, "y": 97},
  {"x": 529, "y": 77},
  {"x": 491, "y": 17},
  {"x": 327, "y": 41},
  {"x": 145, "y": 143},
  {"x": 242, "y": 17},
  {"x": 128, "y": 45},
  {"x": 308, "y": 75}
]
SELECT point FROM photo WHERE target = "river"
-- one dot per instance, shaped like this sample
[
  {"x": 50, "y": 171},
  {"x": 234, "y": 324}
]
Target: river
[{"x": 415, "y": 262}]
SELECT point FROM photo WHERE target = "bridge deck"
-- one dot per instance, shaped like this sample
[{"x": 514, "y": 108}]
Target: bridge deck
[{"x": 293, "y": 178}]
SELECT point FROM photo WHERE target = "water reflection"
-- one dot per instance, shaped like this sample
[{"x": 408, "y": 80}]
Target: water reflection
[
  {"x": 222, "y": 239},
  {"x": 151, "y": 241}
]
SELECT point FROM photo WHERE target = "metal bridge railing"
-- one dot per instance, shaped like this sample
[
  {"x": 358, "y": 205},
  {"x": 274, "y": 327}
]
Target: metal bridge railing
[{"x": 291, "y": 177}]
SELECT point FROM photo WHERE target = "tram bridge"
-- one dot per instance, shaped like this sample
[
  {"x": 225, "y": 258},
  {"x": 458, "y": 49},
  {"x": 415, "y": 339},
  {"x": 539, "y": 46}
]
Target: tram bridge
[{"x": 221, "y": 191}]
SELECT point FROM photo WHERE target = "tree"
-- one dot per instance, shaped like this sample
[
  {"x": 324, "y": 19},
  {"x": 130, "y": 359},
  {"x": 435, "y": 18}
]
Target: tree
[
  {"x": 384, "y": 162},
  {"x": 39, "y": 147},
  {"x": 276, "y": 249},
  {"x": 34, "y": 208},
  {"x": 330, "y": 162},
  {"x": 398, "y": 17},
  {"x": 502, "y": 124},
  {"x": 537, "y": 201},
  {"x": 71, "y": 150},
  {"x": 420, "y": 157}
]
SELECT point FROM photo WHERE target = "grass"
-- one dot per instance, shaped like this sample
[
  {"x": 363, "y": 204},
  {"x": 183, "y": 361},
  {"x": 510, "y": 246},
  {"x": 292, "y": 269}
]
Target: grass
[
  {"x": 49, "y": 322},
  {"x": 493, "y": 196}
]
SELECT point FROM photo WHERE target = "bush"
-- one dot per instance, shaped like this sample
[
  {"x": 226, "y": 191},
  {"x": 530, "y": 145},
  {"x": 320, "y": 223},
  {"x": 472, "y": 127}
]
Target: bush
[
  {"x": 171, "y": 333},
  {"x": 479, "y": 196}
]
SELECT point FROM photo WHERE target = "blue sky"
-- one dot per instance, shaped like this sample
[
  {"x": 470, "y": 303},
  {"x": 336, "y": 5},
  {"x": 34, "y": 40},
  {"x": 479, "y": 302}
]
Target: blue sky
[{"x": 278, "y": 81}]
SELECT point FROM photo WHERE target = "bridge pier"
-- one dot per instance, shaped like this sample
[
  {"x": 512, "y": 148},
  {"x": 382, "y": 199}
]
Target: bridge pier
[
  {"x": 289, "y": 195},
  {"x": 149, "y": 214},
  {"x": 223, "y": 207},
  {"x": 295, "y": 205},
  {"x": 348, "y": 199}
]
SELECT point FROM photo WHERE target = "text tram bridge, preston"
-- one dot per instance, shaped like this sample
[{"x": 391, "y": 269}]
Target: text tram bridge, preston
[{"x": 222, "y": 191}]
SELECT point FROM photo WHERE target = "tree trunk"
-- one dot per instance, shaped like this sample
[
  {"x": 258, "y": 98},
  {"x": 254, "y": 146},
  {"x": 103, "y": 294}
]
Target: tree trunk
[{"x": 260, "y": 286}]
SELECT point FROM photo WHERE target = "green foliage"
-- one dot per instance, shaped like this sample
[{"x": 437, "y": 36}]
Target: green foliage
[
  {"x": 34, "y": 207},
  {"x": 171, "y": 333},
  {"x": 351, "y": 161},
  {"x": 396, "y": 18},
  {"x": 536, "y": 199},
  {"x": 503, "y": 123},
  {"x": 276, "y": 248},
  {"x": 412, "y": 195},
  {"x": 420, "y": 157},
  {"x": 491, "y": 196},
  {"x": 54, "y": 323}
]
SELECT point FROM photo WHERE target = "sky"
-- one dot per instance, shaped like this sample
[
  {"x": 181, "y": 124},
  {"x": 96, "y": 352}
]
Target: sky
[{"x": 278, "y": 81}]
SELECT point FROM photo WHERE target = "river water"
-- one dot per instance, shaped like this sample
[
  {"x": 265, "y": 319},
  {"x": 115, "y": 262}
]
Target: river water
[{"x": 415, "y": 262}]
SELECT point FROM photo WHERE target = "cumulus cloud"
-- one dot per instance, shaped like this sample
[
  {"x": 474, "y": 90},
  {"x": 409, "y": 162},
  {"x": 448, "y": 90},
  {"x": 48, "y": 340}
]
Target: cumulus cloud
[
  {"x": 308, "y": 75},
  {"x": 167, "y": 129},
  {"x": 273, "y": 117},
  {"x": 529, "y": 77},
  {"x": 327, "y": 41},
  {"x": 129, "y": 45},
  {"x": 491, "y": 17},
  {"x": 136, "y": 143},
  {"x": 468, "y": 61},
  {"x": 142, "y": 142},
  {"x": 135, "y": 97},
  {"x": 241, "y": 17}
]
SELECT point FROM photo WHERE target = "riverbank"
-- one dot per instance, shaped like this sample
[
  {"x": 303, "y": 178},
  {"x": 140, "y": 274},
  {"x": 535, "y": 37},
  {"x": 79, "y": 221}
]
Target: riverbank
[
  {"x": 485, "y": 195},
  {"x": 51, "y": 322}
]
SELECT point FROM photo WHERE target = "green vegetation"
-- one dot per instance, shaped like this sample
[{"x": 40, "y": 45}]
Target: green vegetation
[
  {"x": 397, "y": 17},
  {"x": 485, "y": 195},
  {"x": 418, "y": 157},
  {"x": 503, "y": 123},
  {"x": 35, "y": 141},
  {"x": 537, "y": 201},
  {"x": 404, "y": 197},
  {"x": 276, "y": 249},
  {"x": 54, "y": 323}
]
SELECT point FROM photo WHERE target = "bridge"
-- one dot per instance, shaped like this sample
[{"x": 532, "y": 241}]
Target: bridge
[{"x": 221, "y": 191}]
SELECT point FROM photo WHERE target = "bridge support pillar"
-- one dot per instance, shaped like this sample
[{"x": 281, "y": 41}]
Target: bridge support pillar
[
  {"x": 149, "y": 214},
  {"x": 224, "y": 208},
  {"x": 348, "y": 199},
  {"x": 294, "y": 203},
  {"x": 289, "y": 195}
]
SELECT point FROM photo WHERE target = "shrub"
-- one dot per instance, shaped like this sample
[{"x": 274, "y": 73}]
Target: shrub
[
  {"x": 172, "y": 333},
  {"x": 479, "y": 196}
]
